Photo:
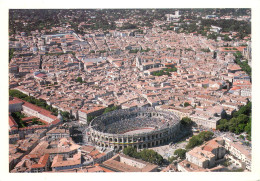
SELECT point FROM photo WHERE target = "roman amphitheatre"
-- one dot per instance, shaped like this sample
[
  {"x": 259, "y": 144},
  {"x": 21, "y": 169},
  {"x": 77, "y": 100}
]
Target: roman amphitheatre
[{"x": 138, "y": 127}]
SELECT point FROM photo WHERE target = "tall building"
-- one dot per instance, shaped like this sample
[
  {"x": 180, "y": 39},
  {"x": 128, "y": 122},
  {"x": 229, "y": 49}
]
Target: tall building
[{"x": 173, "y": 17}]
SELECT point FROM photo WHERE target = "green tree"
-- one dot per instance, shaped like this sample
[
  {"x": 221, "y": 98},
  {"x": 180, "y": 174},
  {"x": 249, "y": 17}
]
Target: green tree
[
  {"x": 205, "y": 50},
  {"x": 199, "y": 139},
  {"x": 244, "y": 65},
  {"x": 16, "y": 93},
  {"x": 146, "y": 155},
  {"x": 226, "y": 38},
  {"x": 130, "y": 151},
  {"x": 248, "y": 127},
  {"x": 186, "y": 121},
  {"x": 79, "y": 79},
  {"x": 172, "y": 69},
  {"x": 223, "y": 125},
  {"x": 181, "y": 153},
  {"x": 242, "y": 119},
  {"x": 109, "y": 109},
  {"x": 162, "y": 72},
  {"x": 65, "y": 115},
  {"x": 151, "y": 156},
  {"x": 18, "y": 119},
  {"x": 128, "y": 26},
  {"x": 193, "y": 142},
  {"x": 239, "y": 122},
  {"x": 246, "y": 110},
  {"x": 242, "y": 137},
  {"x": 39, "y": 102},
  {"x": 172, "y": 158},
  {"x": 11, "y": 53},
  {"x": 205, "y": 135},
  {"x": 186, "y": 104},
  {"x": 212, "y": 36}
]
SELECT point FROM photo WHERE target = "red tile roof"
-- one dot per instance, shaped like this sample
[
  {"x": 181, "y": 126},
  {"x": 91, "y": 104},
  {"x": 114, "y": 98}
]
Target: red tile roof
[
  {"x": 42, "y": 162},
  {"x": 28, "y": 118},
  {"x": 40, "y": 75},
  {"x": 39, "y": 109},
  {"x": 34, "y": 127},
  {"x": 234, "y": 67},
  {"x": 15, "y": 101},
  {"x": 12, "y": 122},
  {"x": 104, "y": 169},
  {"x": 92, "y": 109},
  {"x": 94, "y": 153},
  {"x": 231, "y": 49},
  {"x": 208, "y": 148},
  {"x": 235, "y": 88}
]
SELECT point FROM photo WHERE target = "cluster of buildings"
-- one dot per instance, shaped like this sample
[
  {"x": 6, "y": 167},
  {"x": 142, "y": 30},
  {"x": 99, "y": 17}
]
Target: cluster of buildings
[
  {"x": 228, "y": 17},
  {"x": 52, "y": 153},
  {"x": 210, "y": 157},
  {"x": 117, "y": 77},
  {"x": 85, "y": 74},
  {"x": 32, "y": 111},
  {"x": 239, "y": 153}
]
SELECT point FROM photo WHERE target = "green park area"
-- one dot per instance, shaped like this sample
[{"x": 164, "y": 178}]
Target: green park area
[
  {"x": 238, "y": 122},
  {"x": 146, "y": 155},
  {"x": 165, "y": 71}
]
